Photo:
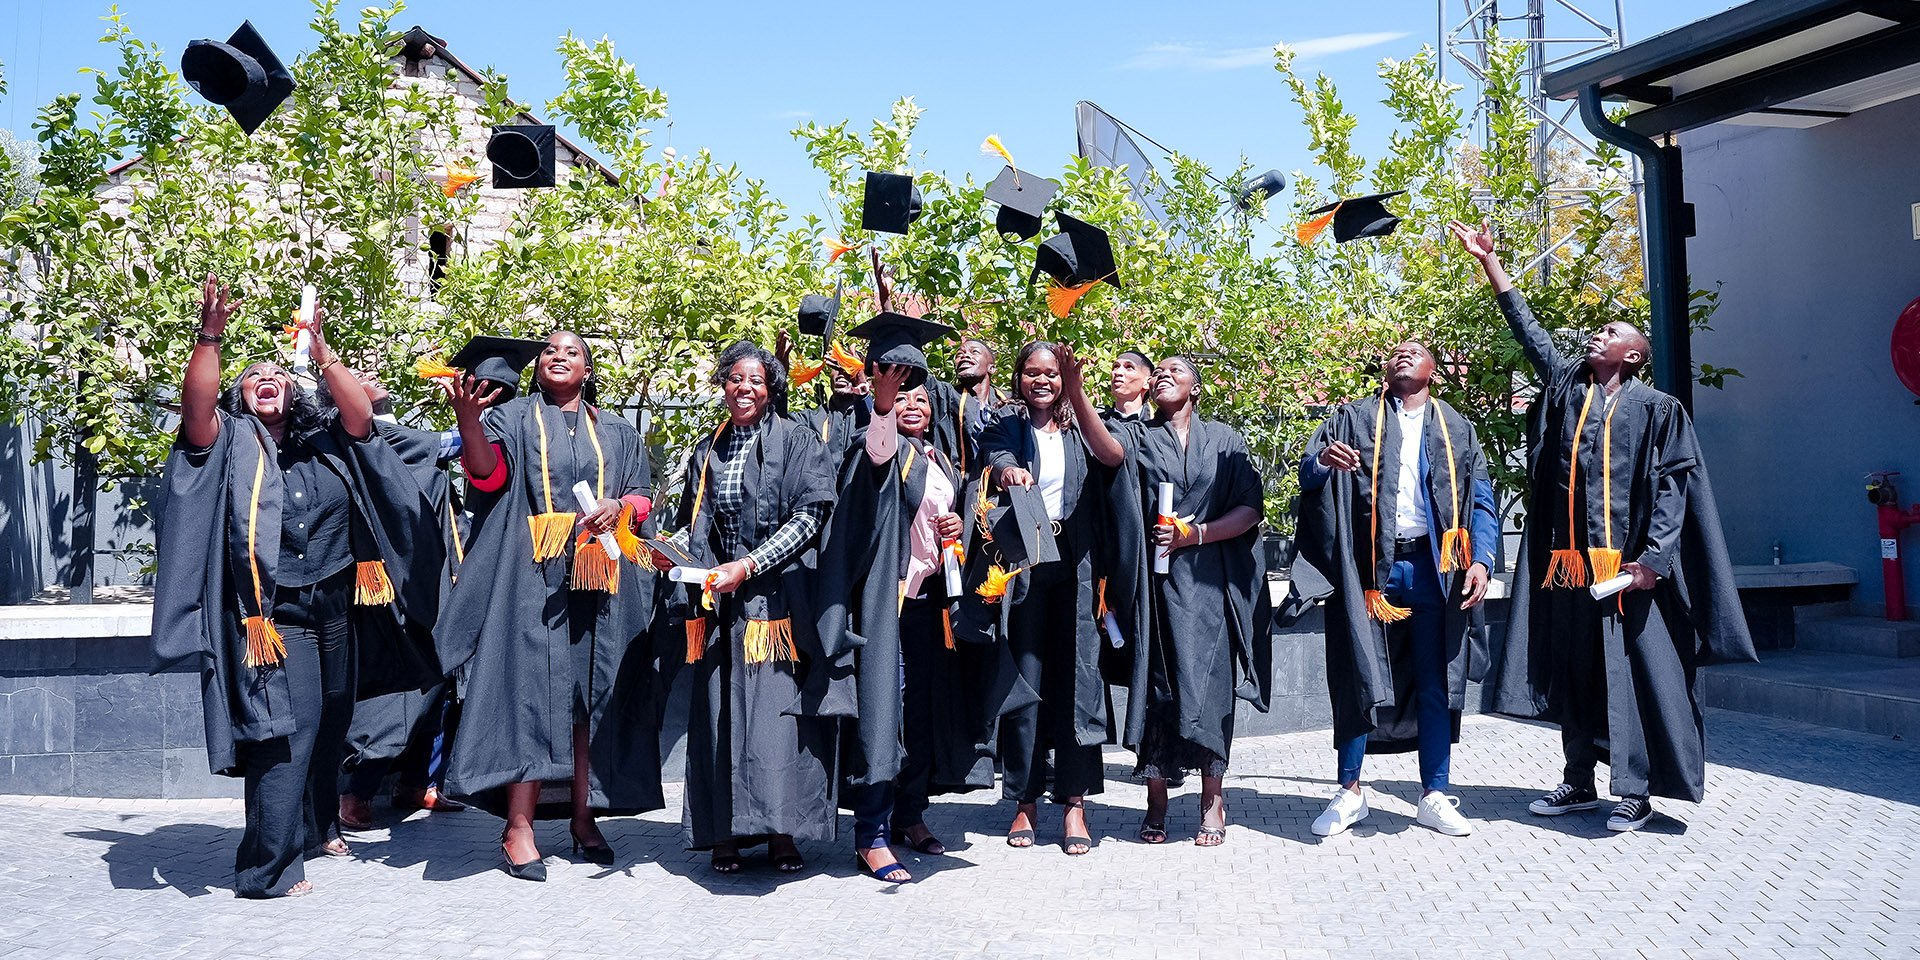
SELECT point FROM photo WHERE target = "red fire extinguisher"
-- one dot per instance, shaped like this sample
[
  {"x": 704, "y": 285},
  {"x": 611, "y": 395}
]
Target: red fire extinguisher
[{"x": 1886, "y": 500}]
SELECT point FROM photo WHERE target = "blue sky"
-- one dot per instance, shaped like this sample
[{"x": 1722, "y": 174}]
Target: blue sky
[{"x": 1195, "y": 76}]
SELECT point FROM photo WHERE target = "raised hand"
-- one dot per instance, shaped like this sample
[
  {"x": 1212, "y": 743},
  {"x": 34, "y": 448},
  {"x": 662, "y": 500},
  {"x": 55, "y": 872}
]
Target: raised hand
[
  {"x": 1478, "y": 243},
  {"x": 1073, "y": 371},
  {"x": 469, "y": 396},
  {"x": 783, "y": 348},
  {"x": 885, "y": 386},
  {"x": 217, "y": 304}
]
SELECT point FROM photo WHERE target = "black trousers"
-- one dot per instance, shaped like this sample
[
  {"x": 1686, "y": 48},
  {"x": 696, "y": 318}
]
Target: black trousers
[
  {"x": 1041, "y": 631},
  {"x": 291, "y": 800}
]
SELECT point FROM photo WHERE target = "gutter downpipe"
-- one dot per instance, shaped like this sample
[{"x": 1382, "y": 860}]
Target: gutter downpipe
[{"x": 1667, "y": 222}]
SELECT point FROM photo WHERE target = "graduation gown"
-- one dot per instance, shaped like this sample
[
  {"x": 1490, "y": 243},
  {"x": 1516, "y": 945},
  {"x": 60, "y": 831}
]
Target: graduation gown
[
  {"x": 1370, "y": 665},
  {"x": 383, "y": 722},
  {"x": 836, "y": 428},
  {"x": 205, "y": 585},
  {"x": 862, "y": 569},
  {"x": 1206, "y": 639},
  {"x": 761, "y": 736},
  {"x": 1638, "y": 702},
  {"x": 528, "y": 641},
  {"x": 1008, "y": 442},
  {"x": 958, "y": 420}
]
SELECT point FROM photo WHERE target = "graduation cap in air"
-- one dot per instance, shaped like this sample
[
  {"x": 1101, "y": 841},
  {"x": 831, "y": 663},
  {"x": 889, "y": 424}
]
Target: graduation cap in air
[
  {"x": 892, "y": 201},
  {"x": 1080, "y": 253},
  {"x": 242, "y": 75},
  {"x": 498, "y": 360},
  {"x": 522, "y": 155},
  {"x": 1022, "y": 200},
  {"x": 901, "y": 340},
  {"x": 818, "y": 313},
  {"x": 1352, "y": 218},
  {"x": 1022, "y": 534}
]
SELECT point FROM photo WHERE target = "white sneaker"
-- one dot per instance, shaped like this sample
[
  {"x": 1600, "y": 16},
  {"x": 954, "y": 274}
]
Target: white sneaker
[
  {"x": 1441, "y": 812},
  {"x": 1345, "y": 809}
]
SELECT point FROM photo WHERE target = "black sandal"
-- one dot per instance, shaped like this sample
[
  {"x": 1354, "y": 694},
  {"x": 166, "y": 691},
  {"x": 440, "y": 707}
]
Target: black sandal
[
  {"x": 727, "y": 862},
  {"x": 1071, "y": 841},
  {"x": 929, "y": 844},
  {"x": 1023, "y": 838}
]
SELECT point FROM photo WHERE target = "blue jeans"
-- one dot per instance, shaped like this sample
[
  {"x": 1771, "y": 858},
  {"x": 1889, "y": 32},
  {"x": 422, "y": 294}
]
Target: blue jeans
[{"x": 1414, "y": 583}]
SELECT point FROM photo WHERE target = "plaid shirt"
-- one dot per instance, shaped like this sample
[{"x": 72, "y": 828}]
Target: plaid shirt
[{"x": 730, "y": 498}]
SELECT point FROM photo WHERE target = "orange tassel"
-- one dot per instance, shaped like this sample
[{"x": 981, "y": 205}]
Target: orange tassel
[
  {"x": 592, "y": 568},
  {"x": 1379, "y": 609},
  {"x": 803, "y": 372},
  {"x": 1100, "y": 598},
  {"x": 993, "y": 146},
  {"x": 769, "y": 640},
  {"x": 1179, "y": 525},
  {"x": 1606, "y": 563},
  {"x": 433, "y": 368},
  {"x": 696, "y": 639},
  {"x": 1061, "y": 299},
  {"x": 946, "y": 625},
  {"x": 372, "y": 587},
  {"x": 623, "y": 534},
  {"x": 995, "y": 586},
  {"x": 264, "y": 646},
  {"x": 1565, "y": 568},
  {"x": 1311, "y": 229},
  {"x": 846, "y": 359},
  {"x": 550, "y": 532},
  {"x": 1456, "y": 550},
  {"x": 458, "y": 177},
  {"x": 837, "y": 248}
]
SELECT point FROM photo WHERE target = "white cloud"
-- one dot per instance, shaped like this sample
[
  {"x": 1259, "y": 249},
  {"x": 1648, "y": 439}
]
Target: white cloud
[{"x": 1208, "y": 57}]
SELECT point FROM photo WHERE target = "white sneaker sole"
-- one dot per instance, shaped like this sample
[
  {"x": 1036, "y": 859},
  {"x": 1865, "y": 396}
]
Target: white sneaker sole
[
  {"x": 1340, "y": 829},
  {"x": 1464, "y": 830},
  {"x": 1628, "y": 826},
  {"x": 1540, "y": 810}
]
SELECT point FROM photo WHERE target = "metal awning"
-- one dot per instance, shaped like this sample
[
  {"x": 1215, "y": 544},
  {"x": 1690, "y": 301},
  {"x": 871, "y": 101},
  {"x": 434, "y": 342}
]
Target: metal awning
[{"x": 1795, "y": 63}]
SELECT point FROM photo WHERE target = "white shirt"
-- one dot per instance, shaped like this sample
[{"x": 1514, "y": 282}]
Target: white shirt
[
  {"x": 1050, "y": 468},
  {"x": 923, "y": 543},
  {"x": 1410, "y": 501}
]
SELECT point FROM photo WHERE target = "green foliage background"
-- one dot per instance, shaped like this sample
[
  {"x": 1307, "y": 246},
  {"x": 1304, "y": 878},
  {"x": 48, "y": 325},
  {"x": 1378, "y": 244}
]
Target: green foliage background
[{"x": 670, "y": 258}]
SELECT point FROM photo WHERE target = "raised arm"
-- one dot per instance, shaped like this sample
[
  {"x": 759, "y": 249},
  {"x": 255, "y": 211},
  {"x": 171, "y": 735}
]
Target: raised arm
[
  {"x": 1093, "y": 431},
  {"x": 1527, "y": 331},
  {"x": 349, "y": 397},
  {"x": 200, "y": 391},
  {"x": 469, "y": 397},
  {"x": 883, "y": 433}
]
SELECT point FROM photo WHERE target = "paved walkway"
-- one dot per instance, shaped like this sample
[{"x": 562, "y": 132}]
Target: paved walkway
[{"x": 1808, "y": 846}]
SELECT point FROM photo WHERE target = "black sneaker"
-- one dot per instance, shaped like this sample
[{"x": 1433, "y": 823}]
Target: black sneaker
[
  {"x": 1565, "y": 798},
  {"x": 1630, "y": 814}
]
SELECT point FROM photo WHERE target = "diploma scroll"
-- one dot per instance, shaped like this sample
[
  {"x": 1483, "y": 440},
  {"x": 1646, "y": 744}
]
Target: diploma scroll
[
  {"x": 583, "y": 495},
  {"x": 695, "y": 575},
  {"x": 950, "y": 561},
  {"x": 1162, "y": 558},
  {"x": 303, "y": 335},
  {"x": 1608, "y": 588}
]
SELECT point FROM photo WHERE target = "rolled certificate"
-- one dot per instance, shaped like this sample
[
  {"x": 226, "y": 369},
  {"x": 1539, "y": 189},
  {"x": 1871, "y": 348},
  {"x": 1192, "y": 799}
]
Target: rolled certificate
[
  {"x": 1608, "y": 588},
  {"x": 688, "y": 574},
  {"x": 1112, "y": 623},
  {"x": 303, "y": 336},
  {"x": 1162, "y": 559},
  {"x": 583, "y": 495},
  {"x": 950, "y": 560}
]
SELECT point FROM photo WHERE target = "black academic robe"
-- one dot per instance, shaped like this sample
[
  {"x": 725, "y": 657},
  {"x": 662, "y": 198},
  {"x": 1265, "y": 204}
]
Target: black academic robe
[
  {"x": 958, "y": 420},
  {"x": 1370, "y": 665},
  {"x": 761, "y": 736},
  {"x": 383, "y": 723},
  {"x": 1639, "y": 705},
  {"x": 1206, "y": 640},
  {"x": 527, "y": 640},
  {"x": 1008, "y": 442},
  {"x": 204, "y": 585},
  {"x": 862, "y": 568},
  {"x": 836, "y": 426}
]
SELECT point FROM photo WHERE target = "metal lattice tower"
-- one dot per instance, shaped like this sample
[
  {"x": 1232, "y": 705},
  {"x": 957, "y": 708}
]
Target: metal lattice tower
[{"x": 1466, "y": 30}]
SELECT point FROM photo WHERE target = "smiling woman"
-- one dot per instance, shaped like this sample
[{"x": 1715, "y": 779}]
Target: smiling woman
[{"x": 313, "y": 514}]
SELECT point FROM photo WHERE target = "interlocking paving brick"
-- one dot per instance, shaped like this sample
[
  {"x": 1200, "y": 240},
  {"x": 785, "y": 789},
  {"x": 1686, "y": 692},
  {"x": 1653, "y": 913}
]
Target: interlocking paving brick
[{"x": 1808, "y": 845}]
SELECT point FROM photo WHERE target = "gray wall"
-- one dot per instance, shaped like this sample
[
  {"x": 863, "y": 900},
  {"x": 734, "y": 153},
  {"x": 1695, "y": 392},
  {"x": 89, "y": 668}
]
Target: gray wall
[
  {"x": 1808, "y": 234},
  {"x": 36, "y": 511}
]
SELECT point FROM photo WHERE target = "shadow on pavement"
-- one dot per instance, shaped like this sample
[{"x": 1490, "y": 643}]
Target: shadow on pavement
[{"x": 193, "y": 858}]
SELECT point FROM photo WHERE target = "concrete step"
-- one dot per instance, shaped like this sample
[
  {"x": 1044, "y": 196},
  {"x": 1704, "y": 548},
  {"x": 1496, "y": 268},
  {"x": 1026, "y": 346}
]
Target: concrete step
[
  {"x": 1861, "y": 636},
  {"x": 1877, "y": 695}
]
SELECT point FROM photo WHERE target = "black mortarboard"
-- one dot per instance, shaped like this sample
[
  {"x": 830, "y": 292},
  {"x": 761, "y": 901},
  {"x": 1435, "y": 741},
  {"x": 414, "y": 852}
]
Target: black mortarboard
[
  {"x": 899, "y": 339},
  {"x": 1081, "y": 253},
  {"x": 1022, "y": 200},
  {"x": 892, "y": 202},
  {"x": 498, "y": 360},
  {"x": 1022, "y": 534},
  {"x": 241, "y": 74},
  {"x": 1354, "y": 218},
  {"x": 522, "y": 155},
  {"x": 818, "y": 313}
]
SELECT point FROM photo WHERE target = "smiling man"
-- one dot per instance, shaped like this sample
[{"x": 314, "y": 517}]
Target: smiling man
[
  {"x": 1617, "y": 490},
  {"x": 1396, "y": 510}
]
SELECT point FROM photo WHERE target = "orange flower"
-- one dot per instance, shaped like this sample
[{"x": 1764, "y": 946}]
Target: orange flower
[
  {"x": 995, "y": 585},
  {"x": 457, "y": 177},
  {"x": 837, "y": 248}
]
